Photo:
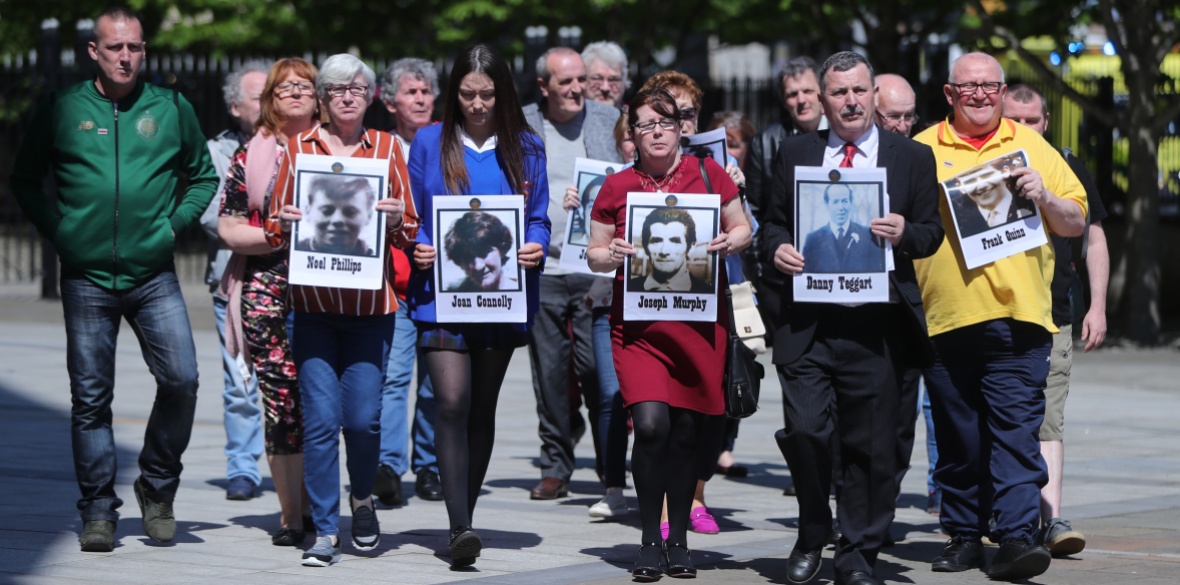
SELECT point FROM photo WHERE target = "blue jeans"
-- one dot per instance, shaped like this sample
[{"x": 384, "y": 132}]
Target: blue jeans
[
  {"x": 931, "y": 444},
  {"x": 341, "y": 361},
  {"x": 157, "y": 314},
  {"x": 394, "y": 394},
  {"x": 606, "y": 409},
  {"x": 243, "y": 415},
  {"x": 987, "y": 393}
]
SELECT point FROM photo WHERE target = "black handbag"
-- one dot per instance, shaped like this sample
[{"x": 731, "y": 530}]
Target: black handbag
[{"x": 743, "y": 373}]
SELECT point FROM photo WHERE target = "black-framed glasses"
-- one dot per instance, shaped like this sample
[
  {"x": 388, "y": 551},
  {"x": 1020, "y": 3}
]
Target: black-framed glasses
[
  {"x": 291, "y": 88},
  {"x": 599, "y": 80},
  {"x": 988, "y": 87},
  {"x": 338, "y": 90},
  {"x": 665, "y": 123}
]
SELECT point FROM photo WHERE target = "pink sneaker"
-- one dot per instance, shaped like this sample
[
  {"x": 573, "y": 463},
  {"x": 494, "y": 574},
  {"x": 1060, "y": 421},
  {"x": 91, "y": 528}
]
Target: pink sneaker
[
  {"x": 664, "y": 530},
  {"x": 703, "y": 522}
]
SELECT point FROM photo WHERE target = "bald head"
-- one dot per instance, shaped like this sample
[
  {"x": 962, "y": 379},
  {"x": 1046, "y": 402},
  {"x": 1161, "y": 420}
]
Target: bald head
[{"x": 895, "y": 104}]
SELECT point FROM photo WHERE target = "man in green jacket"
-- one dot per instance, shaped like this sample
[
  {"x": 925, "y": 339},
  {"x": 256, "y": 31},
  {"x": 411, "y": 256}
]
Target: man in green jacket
[{"x": 116, "y": 147}]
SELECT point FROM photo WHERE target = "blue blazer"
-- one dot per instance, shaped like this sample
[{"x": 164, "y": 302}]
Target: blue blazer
[{"x": 487, "y": 178}]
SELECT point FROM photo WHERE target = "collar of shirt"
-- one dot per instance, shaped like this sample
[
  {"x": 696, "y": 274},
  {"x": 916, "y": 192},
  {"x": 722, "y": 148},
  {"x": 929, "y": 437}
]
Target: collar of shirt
[
  {"x": 680, "y": 282},
  {"x": 1001, "y": 210},
  {"x": 866, "y": 150},
  {"x": 469, "y": 142},
  {"x": 317, "y": 136},
  {"x": 836, "y": 228}
]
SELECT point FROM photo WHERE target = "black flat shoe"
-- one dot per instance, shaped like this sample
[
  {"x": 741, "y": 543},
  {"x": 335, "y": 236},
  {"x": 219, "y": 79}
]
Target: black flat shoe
[
  {"x": 647, "y": 566},
  {"x": 464, "y": 546},
  {"x": 288, "y": 537},
  {"x": 679, "y": 561},
  {"x": 803, "y": 566}
]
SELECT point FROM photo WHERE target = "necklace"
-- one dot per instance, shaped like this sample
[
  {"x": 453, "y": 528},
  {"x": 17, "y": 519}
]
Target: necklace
[{"x": 663, "y": 184}]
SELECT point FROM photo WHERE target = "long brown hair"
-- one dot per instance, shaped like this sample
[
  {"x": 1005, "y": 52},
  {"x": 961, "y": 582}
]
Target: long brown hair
[
  {"x": 513, "y": 135},
  {"x": 270, "y": 118}
]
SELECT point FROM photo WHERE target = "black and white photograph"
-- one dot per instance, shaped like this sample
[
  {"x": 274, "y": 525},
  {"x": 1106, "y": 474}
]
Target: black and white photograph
[
  {"x": 589, "y": 176},
  {"x": 709, "y": 144},
  {"x": 842, "y": 261},
  {"x": 672, "y": 276},
  {"x": 341, "y": 239},
  {"x": 477, "y": 275},
  {"x": 991, "y": 220}
]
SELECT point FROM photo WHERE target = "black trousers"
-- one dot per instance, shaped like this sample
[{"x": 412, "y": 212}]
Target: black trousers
[
  {"x": 907, "y": 419},
  {"x": 845, "y": 385}
]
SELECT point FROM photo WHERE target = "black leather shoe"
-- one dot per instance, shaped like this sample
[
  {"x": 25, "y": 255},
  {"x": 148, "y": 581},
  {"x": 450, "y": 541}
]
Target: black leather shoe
[
  {"x": 855, "y": 578},
  {"x": 464, "y": 546},
  {"x": 288, "y": 537},
  {"x": 802, "y": 567},
  {"x": 647, "y": 566},
  {"x": 428, "y": 486},
  {"x": 679, "y": 561},
  {"x": 1019, "y": 559},
  {"x": 960, "y": 554},
  {"x": 388, "y": 486}
]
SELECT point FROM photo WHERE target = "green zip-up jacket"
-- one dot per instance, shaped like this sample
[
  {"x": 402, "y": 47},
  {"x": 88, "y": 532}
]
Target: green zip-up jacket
[{"x": 116, "y": 166}]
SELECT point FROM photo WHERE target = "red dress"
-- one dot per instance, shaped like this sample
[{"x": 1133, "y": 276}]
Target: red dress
[{"x": 678, "y": 363}]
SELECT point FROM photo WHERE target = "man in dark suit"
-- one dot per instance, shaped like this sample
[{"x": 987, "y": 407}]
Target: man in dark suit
[
  {"x": 668, "y": 235},
  {"x": 850, "y": 358},
  {"x": 842, "y": 245},
  {"x": 987, "y": 202}
]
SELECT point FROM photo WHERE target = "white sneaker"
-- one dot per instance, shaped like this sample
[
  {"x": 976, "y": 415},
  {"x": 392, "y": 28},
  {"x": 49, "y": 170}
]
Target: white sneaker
[{"x": 614, "y": 504}]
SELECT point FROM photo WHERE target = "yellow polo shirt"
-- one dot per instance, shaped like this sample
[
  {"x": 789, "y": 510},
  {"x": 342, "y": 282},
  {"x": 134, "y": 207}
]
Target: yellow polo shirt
[{"x": 1015, "y": 287}]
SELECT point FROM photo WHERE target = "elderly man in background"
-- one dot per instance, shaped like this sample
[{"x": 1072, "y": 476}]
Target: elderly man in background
[
  {"x": 408, "y": 90},
  {"x": 606, "y": 70},
  {"x": 571, "y": 126},
  {"x": 1027, "y": 106},
  {"x": 992, "y": 330},
  {"x": 243, "y": 415},
  {"x": 114, "y": 224},
  {"x": 895, "y": 104}
]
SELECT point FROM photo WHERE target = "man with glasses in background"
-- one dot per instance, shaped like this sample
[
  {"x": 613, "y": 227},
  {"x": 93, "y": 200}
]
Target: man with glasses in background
[
  {"x": 991, "y": 328},
  {"x": 606, "y": 69},
  {"x": 895, "y": 104}
]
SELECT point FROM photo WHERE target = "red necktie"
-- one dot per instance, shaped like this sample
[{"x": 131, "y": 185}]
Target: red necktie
[{"x": 849, "y": 152}]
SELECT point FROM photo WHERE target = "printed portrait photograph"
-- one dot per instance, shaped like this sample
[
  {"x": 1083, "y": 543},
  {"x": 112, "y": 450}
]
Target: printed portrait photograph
[
  {"x": 339, "y": 214},
  {"x": 671, "y": 246},
  {"x": 477, "y": 251},
  {"x": 589, "y": 184},
  {"x": 985, "y": 197},
  {"x": 834, "y": 221},
  {"x": 714, "y": 149}
]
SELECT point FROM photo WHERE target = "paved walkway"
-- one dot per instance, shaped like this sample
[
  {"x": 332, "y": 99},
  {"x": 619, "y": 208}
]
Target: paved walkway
[{"x": 1122, "y": 489}]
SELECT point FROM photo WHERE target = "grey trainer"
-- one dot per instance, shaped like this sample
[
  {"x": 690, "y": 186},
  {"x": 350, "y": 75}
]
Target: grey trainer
[
  {"x": 323, "y": 554},
  {"x": 98, "y": 536},
  {"x": 158, "y": 522},
  {"x": 1061, "y": 539}
]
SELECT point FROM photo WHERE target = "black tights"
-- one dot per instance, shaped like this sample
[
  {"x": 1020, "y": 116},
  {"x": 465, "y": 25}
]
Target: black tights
[
  {"x": 466, "y": 388},
  {"x": 664, "y": 463}
]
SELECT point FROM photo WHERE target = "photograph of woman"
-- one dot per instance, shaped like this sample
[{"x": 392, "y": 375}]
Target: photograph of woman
[
  {"x": 483, "y": 147},
  {"x": 669, "y": 372},
  {"x": 482, "y": 246}
]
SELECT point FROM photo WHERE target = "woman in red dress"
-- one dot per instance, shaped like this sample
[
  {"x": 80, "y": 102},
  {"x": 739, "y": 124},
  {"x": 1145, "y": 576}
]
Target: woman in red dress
[{"x": 669, "y": 372}]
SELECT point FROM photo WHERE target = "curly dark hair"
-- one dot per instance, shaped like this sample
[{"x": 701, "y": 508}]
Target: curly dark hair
[{"x": 474, "y": 235}]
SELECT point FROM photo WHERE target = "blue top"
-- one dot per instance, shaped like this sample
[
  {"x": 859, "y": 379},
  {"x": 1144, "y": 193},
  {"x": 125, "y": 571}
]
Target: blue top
[{"x": 487, "y": 178}]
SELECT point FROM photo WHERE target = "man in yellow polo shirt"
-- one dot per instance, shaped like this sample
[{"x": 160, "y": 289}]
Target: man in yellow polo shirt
[{"x": 991, "y": 328}]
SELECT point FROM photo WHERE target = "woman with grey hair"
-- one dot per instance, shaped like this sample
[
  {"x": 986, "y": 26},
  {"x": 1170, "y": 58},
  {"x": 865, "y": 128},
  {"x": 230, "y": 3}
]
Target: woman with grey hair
[
  {"x": 342, "y": 336},
  {"x": 606, "y": 71}
]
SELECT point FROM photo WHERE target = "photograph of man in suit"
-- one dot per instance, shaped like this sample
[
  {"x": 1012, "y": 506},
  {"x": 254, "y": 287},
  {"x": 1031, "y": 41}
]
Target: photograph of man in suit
[
  {"x": 842, "y": 245},
  {"x": 985, "y": 201},
  {"x": 668, "y": 234},
  {"x": 338, "y": 209},
  {"x": 842, "y": 365}
]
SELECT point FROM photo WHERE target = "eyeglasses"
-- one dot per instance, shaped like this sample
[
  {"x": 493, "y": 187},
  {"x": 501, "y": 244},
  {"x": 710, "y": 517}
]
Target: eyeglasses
[
  {"x": 338, "y": 90},
  {"x": 647, "y": 127},
  {"x": 291, "y": 88},
  {"x": 688, "y": 113},
  {"x": 988, "y": 87},
  {"x": 909, "y": 117},
  {"x": 600, "y": 80}
]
